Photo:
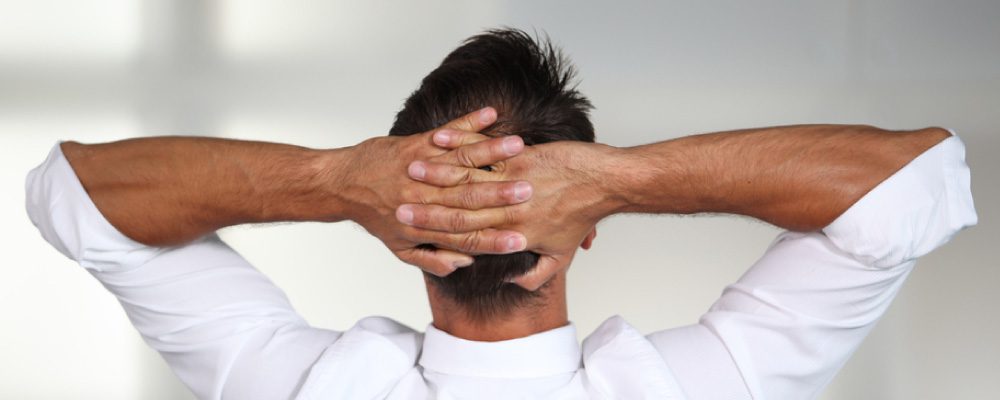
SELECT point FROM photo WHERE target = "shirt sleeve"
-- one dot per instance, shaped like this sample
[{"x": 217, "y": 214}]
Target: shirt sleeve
[
  {"x": 788, "y": 325},
  {"x": 219, "y": 323}
]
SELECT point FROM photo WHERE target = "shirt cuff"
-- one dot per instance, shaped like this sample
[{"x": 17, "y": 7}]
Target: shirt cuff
[
  {"x": 914, "y": 211},
  {"x": 67, "y": 218}
]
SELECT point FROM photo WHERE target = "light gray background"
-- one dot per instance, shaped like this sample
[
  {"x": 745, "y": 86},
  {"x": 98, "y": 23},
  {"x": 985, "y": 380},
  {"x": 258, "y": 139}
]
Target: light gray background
[{"x": 331, "y": 73}]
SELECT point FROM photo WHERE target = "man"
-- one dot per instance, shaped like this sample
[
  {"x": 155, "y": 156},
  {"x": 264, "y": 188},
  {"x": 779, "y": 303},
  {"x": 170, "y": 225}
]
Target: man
[{"x": 495, "y": 225}]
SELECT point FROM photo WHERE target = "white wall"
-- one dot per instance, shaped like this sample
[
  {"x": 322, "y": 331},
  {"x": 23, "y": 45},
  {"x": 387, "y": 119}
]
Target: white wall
[{"x": 331, "y": 73}]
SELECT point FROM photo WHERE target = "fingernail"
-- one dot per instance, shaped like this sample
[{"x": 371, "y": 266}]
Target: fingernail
[
  {"x": 512, "y": 145},
  {"x": 462, "y": 263},
  {"x": 486, "y": 115},
  {"x": 515, "y": 243},
  {"x": 442, "y": 138},
  {"x": 522, "y": 191},
  {"x": 417, "y": 170},
  {"x": 404, "y": 214}
]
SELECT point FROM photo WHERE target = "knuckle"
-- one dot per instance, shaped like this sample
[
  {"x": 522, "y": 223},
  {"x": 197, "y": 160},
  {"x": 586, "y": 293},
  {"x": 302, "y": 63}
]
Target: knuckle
[
  {"x": 510, "y": 216},
  {"x": 457, "y": 221},
  {"x": 466, "y": 158},
  {"x": 421, "y": 196},
  {"x": 470, "y": 242},
  {"x": 469, "y": 198},
  {"x": 465, "y": 176}
]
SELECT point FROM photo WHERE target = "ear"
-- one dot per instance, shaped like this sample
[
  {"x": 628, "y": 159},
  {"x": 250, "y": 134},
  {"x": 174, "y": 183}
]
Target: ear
[{"x": 589, "y": 240}]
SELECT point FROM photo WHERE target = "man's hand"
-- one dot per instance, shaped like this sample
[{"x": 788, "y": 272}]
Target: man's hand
[
  {"x": 570, "y": 197},
  {"x": 374, "y": 182}
]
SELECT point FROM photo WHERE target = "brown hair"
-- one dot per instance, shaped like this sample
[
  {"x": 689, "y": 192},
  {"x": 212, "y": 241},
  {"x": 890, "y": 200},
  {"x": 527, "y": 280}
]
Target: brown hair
[{"x": 530, "y": 84}]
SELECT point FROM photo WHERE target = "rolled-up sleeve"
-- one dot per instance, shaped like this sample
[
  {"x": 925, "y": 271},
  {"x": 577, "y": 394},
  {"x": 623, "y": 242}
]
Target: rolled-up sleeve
[
  {"x": 915, "y": 211},
  {"x": 222, "y": 326},
  {"x": 789, "y": 324},
  {"x": 62, "y": 211}
]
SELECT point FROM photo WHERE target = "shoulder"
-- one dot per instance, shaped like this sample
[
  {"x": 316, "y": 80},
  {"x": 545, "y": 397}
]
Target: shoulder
[
  {"x": 365, "y": 362},
  {"x": 622, "y": 363}
]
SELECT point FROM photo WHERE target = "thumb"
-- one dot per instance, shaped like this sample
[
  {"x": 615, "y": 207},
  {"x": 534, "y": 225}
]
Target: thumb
[{"x": 544, "y": 271}]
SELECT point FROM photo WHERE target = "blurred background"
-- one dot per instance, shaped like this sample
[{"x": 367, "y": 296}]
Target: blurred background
[{"x": 332, "y": 73}]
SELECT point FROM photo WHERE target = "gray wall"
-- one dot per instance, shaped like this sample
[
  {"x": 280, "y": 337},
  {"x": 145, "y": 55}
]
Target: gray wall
[{"x": 329, "y": 74}]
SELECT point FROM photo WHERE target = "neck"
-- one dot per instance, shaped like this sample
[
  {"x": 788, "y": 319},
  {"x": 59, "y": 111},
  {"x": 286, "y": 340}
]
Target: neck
[{"x": 548, "y": 314}]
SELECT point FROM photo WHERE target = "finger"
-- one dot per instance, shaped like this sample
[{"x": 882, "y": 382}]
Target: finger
[
  {"x": 474, "y": 196},
  {"x": 483, "y": 153},
  {"x": 445, "y": 175},
  {"x": 455, "y": 220},
  {"x": 439, "y": 262},
  {"x": 451, "y": 138},
  {"x": 486, "y": 241},
  {"x": 474, "y": 121},
  {"x": 546, "y": 269}
]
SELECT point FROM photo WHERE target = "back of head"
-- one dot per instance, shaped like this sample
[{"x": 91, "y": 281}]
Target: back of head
[{"x": 530, "y": 84}]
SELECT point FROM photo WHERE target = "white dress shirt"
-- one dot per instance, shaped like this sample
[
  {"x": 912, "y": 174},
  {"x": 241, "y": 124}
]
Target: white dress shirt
[{"x": 782, "y": 331}]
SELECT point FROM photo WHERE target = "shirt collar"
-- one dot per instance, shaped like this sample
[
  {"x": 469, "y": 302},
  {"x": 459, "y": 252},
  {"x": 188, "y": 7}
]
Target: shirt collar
[{"x": 547, "y": 353}]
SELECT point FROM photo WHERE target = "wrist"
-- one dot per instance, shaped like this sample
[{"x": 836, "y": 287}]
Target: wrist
[
  {"x": 305, "y": 187},
  {"x": 663, "y": 178},
  {"x": 613, "y": 174},
  {"x": 335, "y": 174}
]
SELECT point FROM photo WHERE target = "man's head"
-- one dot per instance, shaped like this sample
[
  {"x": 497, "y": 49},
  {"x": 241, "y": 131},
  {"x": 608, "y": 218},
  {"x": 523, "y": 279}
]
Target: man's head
[{"x": 531, "y": 86}]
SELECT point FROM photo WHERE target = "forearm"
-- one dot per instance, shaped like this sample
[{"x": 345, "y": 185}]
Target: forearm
[
  {"x": 170, "y": 190},
  {"x": 796, "y": 177}
]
